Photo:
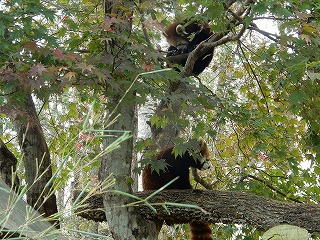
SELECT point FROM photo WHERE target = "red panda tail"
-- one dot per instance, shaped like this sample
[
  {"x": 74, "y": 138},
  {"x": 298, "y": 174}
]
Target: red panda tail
[{"x": 200, "y": 231}]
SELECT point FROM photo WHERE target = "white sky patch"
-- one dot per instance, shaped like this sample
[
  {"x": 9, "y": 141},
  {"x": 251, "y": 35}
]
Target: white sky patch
[{"x": 268, "y": 25}]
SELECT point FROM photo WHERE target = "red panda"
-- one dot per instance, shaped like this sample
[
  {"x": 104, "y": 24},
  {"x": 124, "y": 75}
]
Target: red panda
[
  {"x": 179, "y": 166},
  {"x": 200, "y": 231},
  {"x": 184, "y": 37}
]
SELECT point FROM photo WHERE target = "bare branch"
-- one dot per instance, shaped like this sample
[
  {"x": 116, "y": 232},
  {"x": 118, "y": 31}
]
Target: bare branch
[
  {"x": 220, "y": 38},
  {"x": 271, "y": 36},
  {"x": 205, "y": 46},
  {"x": 199, "y": 180},
  {"x": 255, "y": 78},
  {"x": 273, "y": 18}
]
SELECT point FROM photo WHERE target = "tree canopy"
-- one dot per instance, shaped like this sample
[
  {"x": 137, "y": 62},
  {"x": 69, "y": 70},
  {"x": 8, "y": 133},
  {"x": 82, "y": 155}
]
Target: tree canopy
[{"x": 78, "y": 77}]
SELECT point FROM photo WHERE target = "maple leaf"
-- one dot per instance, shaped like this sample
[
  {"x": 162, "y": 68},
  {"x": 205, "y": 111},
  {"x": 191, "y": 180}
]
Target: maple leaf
[
  {"x": 310, "y": 30},
  {"x": 37, "y": 70},
  {"x": 32, "y": 46},
  {"x": 44, "y": 51},
  {"x": 262, "y": 156},
  {"x": 70, "y": 75},
  {"x": 41, "y": 68},
  {"x": 108, "y": 24},
  {"x": 58, "y": 54},
  {"x": 86, "y": 137},
  {"x": 159, "y": 165},
  {"x": 306, "y": 38},
  {"x": 83, "y": 66},
  {"x": 72, "y": 56},
  {"x": 102, "y": 76},
  {"x": 148, "y": 67},
  {"x": 78, "y": 146}
]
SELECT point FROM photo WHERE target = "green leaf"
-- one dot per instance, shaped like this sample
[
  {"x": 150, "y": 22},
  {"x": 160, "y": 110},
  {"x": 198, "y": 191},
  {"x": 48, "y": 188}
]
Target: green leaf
[
  {"x": 286, "y": 232},
  {"x": 73, "y": 111},
  {"x": 297, "y": 97},
  {"x": 158, "y": 165}
]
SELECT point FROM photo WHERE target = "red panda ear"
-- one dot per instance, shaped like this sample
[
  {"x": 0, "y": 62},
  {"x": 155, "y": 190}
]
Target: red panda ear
[
  {"x": 202, "y": 143},
  {"x": 181, "y": 30}
]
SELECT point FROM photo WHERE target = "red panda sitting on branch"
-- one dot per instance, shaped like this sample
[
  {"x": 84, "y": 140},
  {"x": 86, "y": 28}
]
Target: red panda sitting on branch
[
  {"x": 184, "y": 37},
  {"x": 179, "y": 167}
]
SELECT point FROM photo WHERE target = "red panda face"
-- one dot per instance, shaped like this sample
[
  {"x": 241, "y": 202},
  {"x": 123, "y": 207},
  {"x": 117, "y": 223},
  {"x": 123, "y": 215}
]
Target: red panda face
[
  {"x": 175, "y": 34},
  {"x": 205, "y": 164},
  {"x": 201, "y": 156},
  {"x": 200, "y": 162},
  {"x": 182, "y": 33},
  {"x": 205, "y": 155}
]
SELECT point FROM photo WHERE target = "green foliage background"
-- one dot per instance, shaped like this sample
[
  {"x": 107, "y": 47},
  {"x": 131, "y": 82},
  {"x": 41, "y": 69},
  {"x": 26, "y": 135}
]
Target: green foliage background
[{"x": 257, "y": 106}]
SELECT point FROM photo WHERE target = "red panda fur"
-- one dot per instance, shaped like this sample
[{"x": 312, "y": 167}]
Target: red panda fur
[
  {"x": 174, "y": 38},
  {"x": 200, "y": 231},
  {"x": 183, "y": 41},
  {"x": 179, "y": 166}
]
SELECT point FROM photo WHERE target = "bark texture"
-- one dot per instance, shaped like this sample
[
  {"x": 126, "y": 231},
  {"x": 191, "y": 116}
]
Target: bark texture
[
  {"x": 8, "y": 166},
  {"x": 219, "y": 207},
  {"x": 124, "y": 222},
  {"x": 36, "y": 158}
]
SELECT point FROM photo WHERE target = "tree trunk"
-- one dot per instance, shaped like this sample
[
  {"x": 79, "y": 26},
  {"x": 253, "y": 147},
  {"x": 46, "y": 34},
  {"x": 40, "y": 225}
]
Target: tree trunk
[
  {"x": 36, "y": 158},
  {"x": 8, "y": 166},
  {"x": 124, "y": 223}
]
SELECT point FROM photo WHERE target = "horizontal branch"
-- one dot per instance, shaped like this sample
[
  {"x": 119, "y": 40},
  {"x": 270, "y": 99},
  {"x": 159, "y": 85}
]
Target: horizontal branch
[{"x": 218, "y": 207}]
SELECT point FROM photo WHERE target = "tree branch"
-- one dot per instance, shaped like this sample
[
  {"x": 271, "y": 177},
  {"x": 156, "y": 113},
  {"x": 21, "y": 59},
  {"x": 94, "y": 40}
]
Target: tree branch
[
  {"x": 217, "y": 207},
  {"x": 221, "y": 38},
  {"x": 272, "y": 188},
  {"x": 255, "y": 77},
  {"x": 36, "y": 157},
  {"x": 271, "y": 36},
  {"x": 205, "y": 46},
  {"x": 199, "y": 180}
]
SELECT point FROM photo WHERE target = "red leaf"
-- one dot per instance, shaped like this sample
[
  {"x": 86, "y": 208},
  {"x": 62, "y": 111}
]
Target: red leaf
[
  {"x": 58, "y": 54},
  {"x": 32, "y": 46}
]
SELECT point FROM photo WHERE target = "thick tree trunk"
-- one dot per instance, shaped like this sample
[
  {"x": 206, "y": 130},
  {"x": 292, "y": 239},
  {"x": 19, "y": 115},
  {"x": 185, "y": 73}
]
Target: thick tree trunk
[
  {"x": 124, "y": 222},
  {"x": 36, "y": 159}
]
